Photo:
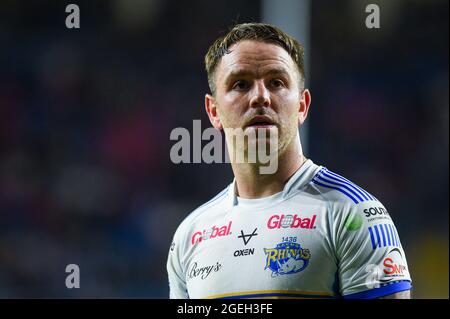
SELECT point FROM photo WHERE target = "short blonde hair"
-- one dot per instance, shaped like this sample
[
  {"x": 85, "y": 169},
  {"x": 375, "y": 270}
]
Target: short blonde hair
[{"x": 253, "y": 31}]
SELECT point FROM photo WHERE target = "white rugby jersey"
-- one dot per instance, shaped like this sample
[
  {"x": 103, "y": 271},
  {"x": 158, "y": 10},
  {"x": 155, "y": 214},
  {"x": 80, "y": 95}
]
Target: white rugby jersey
[{"x": 321, "y": 237}]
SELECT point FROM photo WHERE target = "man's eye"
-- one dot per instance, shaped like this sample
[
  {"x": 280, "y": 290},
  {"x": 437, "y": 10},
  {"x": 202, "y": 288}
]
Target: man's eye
[
  {"x": 277, "y": 83},
  {"x": 241, "y": 85}
]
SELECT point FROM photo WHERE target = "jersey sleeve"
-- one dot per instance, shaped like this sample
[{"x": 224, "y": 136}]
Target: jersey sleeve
[
  {"x": 177, "y": 279},
  {"x": 372, "y": 262}
]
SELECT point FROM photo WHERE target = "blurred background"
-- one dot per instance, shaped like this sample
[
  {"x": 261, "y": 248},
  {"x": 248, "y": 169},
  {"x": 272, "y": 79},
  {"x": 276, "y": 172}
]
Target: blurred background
[{"x": 86, "y": 114}]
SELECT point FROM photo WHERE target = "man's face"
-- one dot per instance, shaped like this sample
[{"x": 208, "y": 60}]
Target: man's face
[{"x": 257, "y": 86}]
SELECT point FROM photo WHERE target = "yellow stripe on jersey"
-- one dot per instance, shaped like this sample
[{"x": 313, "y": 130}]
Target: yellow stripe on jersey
[{"x": 273, "y": 294}]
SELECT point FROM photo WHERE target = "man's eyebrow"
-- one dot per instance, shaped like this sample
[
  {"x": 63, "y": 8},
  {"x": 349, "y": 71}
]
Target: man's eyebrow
[
  {"x": 277, "y": 71},
  {"x": 244, "y": 73},
  {"x": 237, "y": 74}
]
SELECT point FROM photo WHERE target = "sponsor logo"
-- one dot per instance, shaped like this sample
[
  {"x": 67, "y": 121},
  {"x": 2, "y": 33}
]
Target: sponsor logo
[
  {"x": 384, "y": 235},
  {"x": 394, "y": 265},
  {"x": 286, "y": 258},
  {"x": 353, "y": 222},
  {"x": 291, "y": 221},
  {"x": 211, "y": 233},
  {"x": 246, "y": 238},
  {"x": 244, "y": 252},
  {"x": 393, "y": 269},
  {"x": 172, "y": 246},
  {"x": 376, "y": 213},
  {"x": 202, "y": 272}
]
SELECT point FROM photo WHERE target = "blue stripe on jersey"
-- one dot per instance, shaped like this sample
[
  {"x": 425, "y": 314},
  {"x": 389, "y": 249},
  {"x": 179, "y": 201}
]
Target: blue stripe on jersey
[
  {"x": 384, "y": 237},
  {"x": 388, "y": 234},
  {"x": 378, "y": 236},
  {"x": 385, "y": 290},
  {"x": 341, "y": 184},
  {"x": 346, "y": 180},
  {"x": 329, "y": 174},
  {"x": 329, "y": 181},
  {"x": 394, "y": 237},
  {"x": 391, "y": 231},
  {"x": 336, "y": 188},
  {"x": 378, "y": 242},
  {"x": 343, "y": 179},
  {"x": 397, "y": 239},
  {"x": 372, "y": 239},
  {"x": 392, "y": 234}
]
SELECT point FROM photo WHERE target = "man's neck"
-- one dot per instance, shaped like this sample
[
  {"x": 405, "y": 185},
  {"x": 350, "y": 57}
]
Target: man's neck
[{"x": 251, "y": 184}]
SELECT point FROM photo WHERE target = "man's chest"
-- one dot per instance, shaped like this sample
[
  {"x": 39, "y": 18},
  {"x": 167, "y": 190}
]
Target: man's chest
[{"x": 273, "y": 252}]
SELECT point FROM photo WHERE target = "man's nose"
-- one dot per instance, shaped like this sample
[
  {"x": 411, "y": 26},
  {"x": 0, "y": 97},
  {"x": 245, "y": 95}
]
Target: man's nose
[{"x": 260, "y": 95}]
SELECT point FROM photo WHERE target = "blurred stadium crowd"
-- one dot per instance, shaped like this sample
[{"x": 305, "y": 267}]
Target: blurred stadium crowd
[{"x": 85, "y": 119}]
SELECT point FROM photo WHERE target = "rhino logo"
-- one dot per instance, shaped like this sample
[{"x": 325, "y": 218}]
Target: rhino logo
[{"x": 286, "y": 258}]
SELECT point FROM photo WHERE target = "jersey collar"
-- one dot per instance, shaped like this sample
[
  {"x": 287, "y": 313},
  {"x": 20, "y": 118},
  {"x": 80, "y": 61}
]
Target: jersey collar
[{"x": 301, "y": 177}]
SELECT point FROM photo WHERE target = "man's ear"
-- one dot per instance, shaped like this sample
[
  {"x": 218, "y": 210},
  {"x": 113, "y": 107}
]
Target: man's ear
[
  {"x": 211, "y": 110},
  {"x": 305, "y": 101}
]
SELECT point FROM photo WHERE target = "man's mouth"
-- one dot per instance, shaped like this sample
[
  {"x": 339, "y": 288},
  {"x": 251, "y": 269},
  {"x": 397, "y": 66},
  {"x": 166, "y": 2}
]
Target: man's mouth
[{"x": 260, "y": 121}]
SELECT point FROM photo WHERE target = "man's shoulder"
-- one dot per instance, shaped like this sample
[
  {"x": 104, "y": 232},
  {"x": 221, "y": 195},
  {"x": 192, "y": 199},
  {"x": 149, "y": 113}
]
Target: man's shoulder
[{"x": 336, "y": 189}]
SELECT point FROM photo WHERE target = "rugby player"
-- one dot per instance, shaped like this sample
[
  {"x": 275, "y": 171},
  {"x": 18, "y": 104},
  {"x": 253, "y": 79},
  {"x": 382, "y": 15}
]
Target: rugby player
[{"x": 300, "y": 232}]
